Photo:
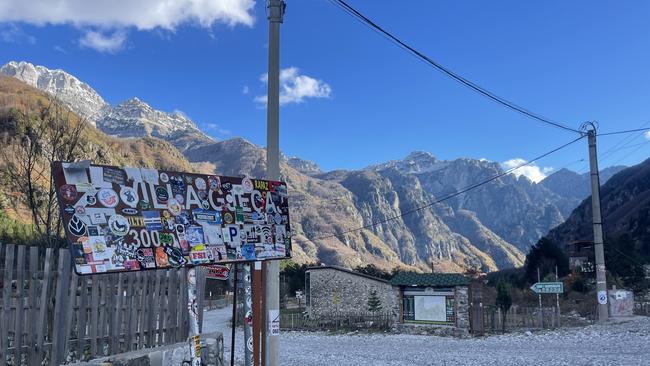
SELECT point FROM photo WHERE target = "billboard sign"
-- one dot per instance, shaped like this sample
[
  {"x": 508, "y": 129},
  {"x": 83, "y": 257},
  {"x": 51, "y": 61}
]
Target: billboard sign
[{"x": 131, "y": 219}]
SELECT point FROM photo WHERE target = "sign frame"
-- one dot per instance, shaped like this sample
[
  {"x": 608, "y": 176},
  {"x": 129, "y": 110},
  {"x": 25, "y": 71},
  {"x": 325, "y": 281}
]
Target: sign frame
[{"x": 93, "y": 204}]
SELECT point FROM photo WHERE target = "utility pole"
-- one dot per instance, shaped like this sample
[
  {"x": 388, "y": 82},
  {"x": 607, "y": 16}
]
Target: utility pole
[
  {"x": 275, "y": 13},
  {"x": 601, "y": 280}
]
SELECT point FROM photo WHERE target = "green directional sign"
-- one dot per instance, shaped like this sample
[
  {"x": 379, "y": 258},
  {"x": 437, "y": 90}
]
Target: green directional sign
[{"x": 548, "y": 287}]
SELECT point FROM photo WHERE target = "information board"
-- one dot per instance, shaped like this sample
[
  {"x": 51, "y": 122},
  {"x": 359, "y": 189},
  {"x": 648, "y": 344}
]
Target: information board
[{"x": 131, "y": 219}]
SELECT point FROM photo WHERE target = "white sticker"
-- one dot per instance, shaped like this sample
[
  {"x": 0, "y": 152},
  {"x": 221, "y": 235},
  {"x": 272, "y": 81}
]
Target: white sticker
[
  {"x": 274, "y": 322},
  {"x": 133, "y": 174},
  {"x": 150, "y": 175},
  {"x": 129, "y": 196}
]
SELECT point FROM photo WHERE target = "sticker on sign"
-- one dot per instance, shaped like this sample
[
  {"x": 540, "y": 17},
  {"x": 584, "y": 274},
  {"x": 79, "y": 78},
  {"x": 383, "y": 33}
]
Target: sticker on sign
[
  {"x": 218, "y": 272},
  {"x": 602, "y": 297}
]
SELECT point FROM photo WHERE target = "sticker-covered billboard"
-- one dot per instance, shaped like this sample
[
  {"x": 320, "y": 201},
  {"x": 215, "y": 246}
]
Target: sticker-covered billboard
[{"x": 131, "y": 219}]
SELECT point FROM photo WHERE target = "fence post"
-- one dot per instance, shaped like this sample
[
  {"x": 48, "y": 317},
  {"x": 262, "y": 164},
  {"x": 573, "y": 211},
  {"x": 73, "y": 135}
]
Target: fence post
[
  {"x": 6, "y": 296},
  {"x": 59, "y": 340}
]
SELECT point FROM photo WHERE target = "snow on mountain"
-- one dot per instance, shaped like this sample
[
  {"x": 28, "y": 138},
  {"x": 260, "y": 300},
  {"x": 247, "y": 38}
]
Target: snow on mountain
[
  {"x": 416, "y": 162},
  {"x": 76, "y": 95},
  {"x": 132, "y": 118}
]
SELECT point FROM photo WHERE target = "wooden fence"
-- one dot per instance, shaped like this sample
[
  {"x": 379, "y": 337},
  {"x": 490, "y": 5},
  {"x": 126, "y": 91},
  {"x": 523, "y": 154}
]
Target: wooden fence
[
  {"x": 48, "y": 313},
  {"x": 298, "y": 321},
  {"x": 520, "y": 318}
]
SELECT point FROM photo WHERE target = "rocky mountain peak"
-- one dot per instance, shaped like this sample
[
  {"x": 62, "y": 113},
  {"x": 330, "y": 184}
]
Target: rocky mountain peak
[
  {"x": 303, "y": 166},
  {"x": 75, "y": 94},
  {"x": 131, "y": 118}
]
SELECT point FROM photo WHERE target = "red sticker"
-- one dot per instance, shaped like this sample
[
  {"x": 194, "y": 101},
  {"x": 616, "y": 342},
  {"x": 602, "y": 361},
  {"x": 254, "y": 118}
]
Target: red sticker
[{"x": 68, "y": 192}]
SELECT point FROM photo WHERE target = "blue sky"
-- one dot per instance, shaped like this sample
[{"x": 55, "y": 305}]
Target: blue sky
[{"x": 356, "y": 98}]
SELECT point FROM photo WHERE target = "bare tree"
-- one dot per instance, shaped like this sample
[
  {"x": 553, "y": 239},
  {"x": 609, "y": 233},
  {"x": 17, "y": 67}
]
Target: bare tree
[{"x": 51, "y": 133}]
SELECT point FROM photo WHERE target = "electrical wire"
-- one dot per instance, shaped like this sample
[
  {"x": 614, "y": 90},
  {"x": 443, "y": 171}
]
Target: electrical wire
[
  {"x": 626, "y": 131},
  {"x": 475, "y": 87},
  {"x": 449, "y": 196}
]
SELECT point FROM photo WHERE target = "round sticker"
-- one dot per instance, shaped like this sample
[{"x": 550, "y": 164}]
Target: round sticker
[
  {"x": 200, "y": 184},
  {"x": 205, "y": 204},
  {"x": 247, "y": 184},
  {"x": 227, "y": 217},
  {"x": 174, "y": 207},
  {"x": 68, "y": 192},
  {"x": 179, "y": 198},
  {"x": 119, "y": 225},
  {"x": 91, "y": 199},
  {"x": 129, "y": 196},
  {"x": 80, "y": 210},
  {"x": 215, "y": 183},
  {"x": 107, "y": 197},
  {"x": 162, "y": 194},
  {"x": 164, "y": 177}
]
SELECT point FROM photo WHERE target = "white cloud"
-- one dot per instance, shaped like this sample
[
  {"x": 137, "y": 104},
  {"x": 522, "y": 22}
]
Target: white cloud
[
  {"x": 294, "y": 87},
  {"x": 60, "y": 49},
  {"x": 106, "y": 21},
  {"x": 11, "y": 33},
  {"x": 218, "y": 129},
  {"x": 647, "y": 135},
  {"x": 109, "y": 43},
  {"x": 245, "y": 90},
  {"x": 533, "y": 172},
  {"x": 141, "y": 14}
]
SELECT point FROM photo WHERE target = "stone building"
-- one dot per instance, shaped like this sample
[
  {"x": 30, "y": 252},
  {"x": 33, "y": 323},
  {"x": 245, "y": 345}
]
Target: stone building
[
  {"x": 332, "y": 290},
  {"x": 433, "y": 298}
]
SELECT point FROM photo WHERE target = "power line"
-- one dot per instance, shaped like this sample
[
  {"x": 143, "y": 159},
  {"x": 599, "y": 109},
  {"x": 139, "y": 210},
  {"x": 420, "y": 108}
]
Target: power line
[
  {"x": 477, "y": 88},
  {"x": 449, "y": 196},
  {"x": 621, "y": 132}
]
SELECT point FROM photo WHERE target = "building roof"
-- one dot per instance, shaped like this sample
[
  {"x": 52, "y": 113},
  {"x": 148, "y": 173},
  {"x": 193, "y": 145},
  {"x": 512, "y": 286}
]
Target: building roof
[
  {"x": 429, "y": 279},
  {"x": 348, "y": 271}
]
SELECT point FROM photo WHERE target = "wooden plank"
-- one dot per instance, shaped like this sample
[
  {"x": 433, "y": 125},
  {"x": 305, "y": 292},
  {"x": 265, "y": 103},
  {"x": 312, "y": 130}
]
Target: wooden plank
[
  {"x": 184, "y": 315},
  {"x": 82, "y": 313},
  {"x": 116, "y": 328},
  {"x": 163, "y": 311},
  {"x": 20, "y": 304},
  {"x": 32, "y": 312},
  {"x": 6, "y": 296},
  {"x": 129, "y": 315},
  {"x": 146, "y": 313},
  {"x": 144, "y": 279},
  {"x": 110, "y": 311},
  {"x": 155, "y": 309},
  {"x": 102, "y": 329},
  {"x": 60, "y": 305},
  {"x": 71, "y": 301},
  {"x": 42, "y": 322},
  {"x": 172, "y": 323},
  {"x": 94, "y": 316}
]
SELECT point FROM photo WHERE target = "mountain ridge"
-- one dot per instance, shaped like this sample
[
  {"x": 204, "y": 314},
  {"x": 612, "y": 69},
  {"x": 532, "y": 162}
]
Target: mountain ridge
[{"x": 374, "y": 214}]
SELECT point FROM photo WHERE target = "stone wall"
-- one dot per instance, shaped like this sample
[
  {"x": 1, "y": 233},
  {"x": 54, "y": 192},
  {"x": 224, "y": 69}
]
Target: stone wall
[
  {"x": 172, "y": 355},
  {"x": 334, "y": 291},
  {"x": 462, "y": 307}
]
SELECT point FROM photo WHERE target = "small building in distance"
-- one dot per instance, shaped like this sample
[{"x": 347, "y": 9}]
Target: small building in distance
[
  {"x": 433, "y": 298},
  {"x": 338, "y": 291}
]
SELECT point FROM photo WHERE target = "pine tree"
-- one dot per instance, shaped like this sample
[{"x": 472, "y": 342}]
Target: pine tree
[
  {"x": 374, "y": 303},
  {"x": 503, "y": 300}
]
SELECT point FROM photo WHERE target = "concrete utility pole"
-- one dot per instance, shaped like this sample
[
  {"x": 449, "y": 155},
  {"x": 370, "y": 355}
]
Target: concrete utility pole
[
  {"x": 275, "y": 12},
  {"x": 601, "y": 280}
]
